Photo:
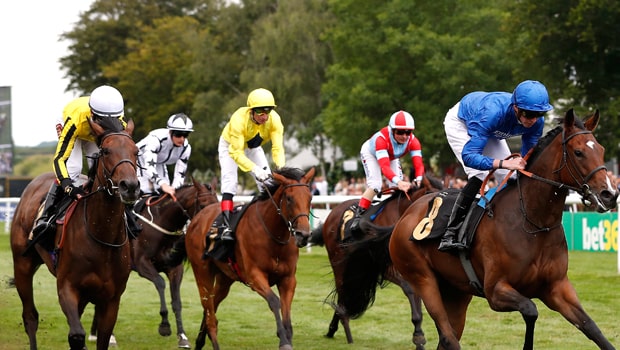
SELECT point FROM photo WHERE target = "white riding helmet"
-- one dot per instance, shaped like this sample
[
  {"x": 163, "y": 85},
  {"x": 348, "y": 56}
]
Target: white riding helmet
[
  {"x": 106, "y": 101},
  {"x": 180, "y": 122},
  {"x": 402, "y": 120}
]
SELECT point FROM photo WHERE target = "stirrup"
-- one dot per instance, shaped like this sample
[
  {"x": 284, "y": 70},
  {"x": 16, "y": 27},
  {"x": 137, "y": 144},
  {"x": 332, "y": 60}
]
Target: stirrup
[
  {"x": 227, "y": 235},
  {"x": 448, "y": 244}
]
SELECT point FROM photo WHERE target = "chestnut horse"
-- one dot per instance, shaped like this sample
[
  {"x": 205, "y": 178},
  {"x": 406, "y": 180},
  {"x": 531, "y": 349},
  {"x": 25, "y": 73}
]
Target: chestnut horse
[
  {"x": 91, "y": 259},
  {"x": 163, "y": 222},
  {"x": 519, "y": 250},
  {"x": 329, "y": 234},
  {"x": 268, "y": 236}
]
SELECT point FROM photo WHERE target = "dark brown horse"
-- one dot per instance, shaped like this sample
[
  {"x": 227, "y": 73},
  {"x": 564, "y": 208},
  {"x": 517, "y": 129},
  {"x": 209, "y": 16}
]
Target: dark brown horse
[
  {"x": 519, "y": 250},
  {"x": 329, "y": 234},
  {"x": 163, "y": 220},
  {"x": 91, "y": 260},
  {"x": 268, "y": 237}
]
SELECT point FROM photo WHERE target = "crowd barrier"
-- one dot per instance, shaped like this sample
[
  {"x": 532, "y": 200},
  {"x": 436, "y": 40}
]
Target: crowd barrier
[{"x": 587, "y": 231}]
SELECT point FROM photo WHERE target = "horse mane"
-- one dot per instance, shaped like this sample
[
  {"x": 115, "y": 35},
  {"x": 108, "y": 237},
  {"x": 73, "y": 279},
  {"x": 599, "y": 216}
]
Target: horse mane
[
  {"x": 544, "y": 141},
  {"x": 109, "y": 125},
  {"x": 271, "y": 186}
]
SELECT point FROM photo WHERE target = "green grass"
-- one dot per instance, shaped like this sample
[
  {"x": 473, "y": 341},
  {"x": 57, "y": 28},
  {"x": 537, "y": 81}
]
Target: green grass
[{"x": 245, "y": 321}]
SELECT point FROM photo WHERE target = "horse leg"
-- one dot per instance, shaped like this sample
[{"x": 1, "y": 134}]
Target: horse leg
[
  {"x": 333, "y": 325},
  {"x": 344, "y": 318},
  {"x": 175, "y": 276},
  {"x": 69, "y": 300},
  {"x": 503, "y": 297},
  {"x": 145, "y": 269},
  {"x": 106, "y": 319},
  {"x": 418, "y": 338},
  {"x": 563, "y": 299},
  {"x": 24, "y": 270},
  {"x": 286, "y": 289}
]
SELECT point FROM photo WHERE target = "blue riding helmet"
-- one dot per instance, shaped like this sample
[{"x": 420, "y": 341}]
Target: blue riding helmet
[{"x": 531, "y": 95}]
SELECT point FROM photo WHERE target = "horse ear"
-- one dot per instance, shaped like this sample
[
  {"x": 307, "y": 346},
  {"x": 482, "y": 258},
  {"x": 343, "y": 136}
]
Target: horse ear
[
  {"x": 130, "y": 126},
  {"x": 95, "y": 127},
  {"x": 569, "y": 119},
  {"x": 592, "y": 122},
  {"x": 309, "y": 175}
]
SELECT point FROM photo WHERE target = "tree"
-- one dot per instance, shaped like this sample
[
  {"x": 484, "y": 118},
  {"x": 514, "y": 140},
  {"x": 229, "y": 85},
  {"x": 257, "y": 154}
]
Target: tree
[{"x": 418, "y": 56}]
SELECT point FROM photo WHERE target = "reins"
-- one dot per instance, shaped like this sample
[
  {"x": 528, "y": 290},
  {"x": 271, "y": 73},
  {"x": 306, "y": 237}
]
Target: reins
[{"x": 583, "y": 190}]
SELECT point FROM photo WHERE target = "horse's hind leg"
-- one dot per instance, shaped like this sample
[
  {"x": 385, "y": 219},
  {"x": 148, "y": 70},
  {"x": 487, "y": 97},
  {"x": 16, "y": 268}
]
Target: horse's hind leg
[
  {"x": 419, "y": 340},
  {"x": 175, "y": 276},
  {"x": 24, "y": 271}
]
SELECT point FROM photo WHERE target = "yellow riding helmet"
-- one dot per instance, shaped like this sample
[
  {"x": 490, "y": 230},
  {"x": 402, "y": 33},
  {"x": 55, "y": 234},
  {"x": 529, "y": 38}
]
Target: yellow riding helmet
[{"x": 261, "y": 98}]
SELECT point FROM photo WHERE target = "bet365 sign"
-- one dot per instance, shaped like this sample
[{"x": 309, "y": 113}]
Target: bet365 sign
[{"x": 591, "y": 231}]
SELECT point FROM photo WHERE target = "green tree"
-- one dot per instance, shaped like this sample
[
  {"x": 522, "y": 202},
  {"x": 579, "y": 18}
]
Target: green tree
[
  {"x": 575, "y": 45},
  {"x": 413, "y": 55}
]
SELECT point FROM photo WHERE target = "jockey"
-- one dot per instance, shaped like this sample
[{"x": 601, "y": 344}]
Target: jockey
[
  {"x": 162, "y": 147},
  {"x": 105, "y": 107},
  {"x": 240, "y": 147},
  {"x": 477, "y": 128},
  {"x": 381, "y": 155}
]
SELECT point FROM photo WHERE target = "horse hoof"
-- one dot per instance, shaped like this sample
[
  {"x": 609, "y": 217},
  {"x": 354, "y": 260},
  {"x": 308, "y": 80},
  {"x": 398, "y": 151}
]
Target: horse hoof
[
  {"x": 286, "y": 347},
  {"x": 183, "y": 341},
  {"x": 164, "y": 329},
  {"x": 92, "y": 337},
  {"x": 112, "y": 340}
]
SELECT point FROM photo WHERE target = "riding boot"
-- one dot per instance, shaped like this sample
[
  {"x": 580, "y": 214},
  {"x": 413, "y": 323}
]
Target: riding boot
[
  {"x": 226, "y": 232},
  {"x": 132, "y": 223},
  {"x": 46, "y": 222},
  {"x": 459, "y": 211},
  {"x": 355, "y": 222}
]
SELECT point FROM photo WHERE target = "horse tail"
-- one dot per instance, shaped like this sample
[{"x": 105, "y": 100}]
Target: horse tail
[
  {"x": 177, "y": 254},
  {"x": 365, "y": 264},
  {"x": 316, "y": 236}
]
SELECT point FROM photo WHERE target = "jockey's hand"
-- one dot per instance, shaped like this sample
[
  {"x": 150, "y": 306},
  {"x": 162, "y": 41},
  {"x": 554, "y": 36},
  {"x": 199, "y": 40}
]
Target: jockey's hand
[
  {"x": 70, "y": 190},
  {"x": 261, "y": 174},
  {"x": 516, "y": 163},
  {"x": 168, "y": 189},
  {"x": 404, "y": 185}
]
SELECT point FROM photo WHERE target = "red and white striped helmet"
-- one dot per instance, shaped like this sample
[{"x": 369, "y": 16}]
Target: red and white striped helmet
[{"x": 402, "y": 120}]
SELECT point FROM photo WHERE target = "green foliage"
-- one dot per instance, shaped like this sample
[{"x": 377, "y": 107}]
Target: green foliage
[{"x": 339, "y": 68}]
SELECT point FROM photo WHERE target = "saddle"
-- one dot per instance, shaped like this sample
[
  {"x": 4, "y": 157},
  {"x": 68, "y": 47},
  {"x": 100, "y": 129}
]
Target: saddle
[
  {"x": 439, "y": 209},
  {"x": 345, "y": 233},
  {"x": 216, "y": 248}
]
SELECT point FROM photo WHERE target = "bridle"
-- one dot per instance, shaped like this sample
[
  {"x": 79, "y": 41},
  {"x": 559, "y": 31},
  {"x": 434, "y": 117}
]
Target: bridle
[
  {"x": 289, "y": 222},
  {"x": 569, "y": 163},
  {"x": 108, "y": 184}
]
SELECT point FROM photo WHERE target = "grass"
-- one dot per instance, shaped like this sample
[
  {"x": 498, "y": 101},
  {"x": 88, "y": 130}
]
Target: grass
[{"x": 245, "y": 321}]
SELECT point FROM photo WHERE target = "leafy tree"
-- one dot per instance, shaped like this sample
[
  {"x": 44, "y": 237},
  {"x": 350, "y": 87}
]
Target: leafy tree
[
  {"x": 575, "y": 45},
  {"x": 414, "y": 55}
]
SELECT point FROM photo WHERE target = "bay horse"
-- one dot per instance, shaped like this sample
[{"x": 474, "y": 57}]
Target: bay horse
[
  {"x": 268, "y": 237},
  {"x": 91, "y": 257},
  {"x": 519, "y": 249},
  {"x": 163, "y": 220},
  {"x": 329, "y": 234}
]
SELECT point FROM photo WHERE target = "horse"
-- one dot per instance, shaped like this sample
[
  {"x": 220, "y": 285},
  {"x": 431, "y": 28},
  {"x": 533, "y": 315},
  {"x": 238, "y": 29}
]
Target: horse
[
  {"x": 274, "y": 225},
  {"x": 329, "y": 235},
  {"x": 163, "y": 220},
  {"x": 91, "y": 257},
  {"x": 518, "y": 251}
]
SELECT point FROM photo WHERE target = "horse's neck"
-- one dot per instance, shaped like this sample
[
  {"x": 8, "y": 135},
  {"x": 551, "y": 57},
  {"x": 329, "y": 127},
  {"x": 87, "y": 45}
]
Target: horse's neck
[
  {"x": 541, "y": 200},
  {"x": 267, "y": 212}
]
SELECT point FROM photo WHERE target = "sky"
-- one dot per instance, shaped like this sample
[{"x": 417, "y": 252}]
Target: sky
[{"x": 29, "y": 54}]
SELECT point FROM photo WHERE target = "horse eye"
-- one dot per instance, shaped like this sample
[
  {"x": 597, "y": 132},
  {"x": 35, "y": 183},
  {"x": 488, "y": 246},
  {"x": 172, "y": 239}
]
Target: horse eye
[
  {"x": 578, "y": 153},
  {"x": 105, "y": 151}
]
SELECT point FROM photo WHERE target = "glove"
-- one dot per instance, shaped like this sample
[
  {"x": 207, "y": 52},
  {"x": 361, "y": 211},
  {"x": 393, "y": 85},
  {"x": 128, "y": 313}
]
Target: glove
[
  {"x": 70, "y": 190},
  {"x": 261, "y": 174}
]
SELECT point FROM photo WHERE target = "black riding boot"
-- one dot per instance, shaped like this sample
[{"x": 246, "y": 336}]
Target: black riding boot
[
  {"x": 132, "y": 223},
  {"x": 355, "y": 223},
  {"x": 227, "y": 232},
  {"x": 459, "y": 211},
  {"x": 45, "y": 222}
]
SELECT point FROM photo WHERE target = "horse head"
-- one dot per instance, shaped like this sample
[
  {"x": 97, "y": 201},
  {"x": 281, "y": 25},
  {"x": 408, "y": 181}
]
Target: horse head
[
  {"x": 295, "y": 198},
  {"x": 118, "y": 155},
  {"x": 582, "y": 165}
]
